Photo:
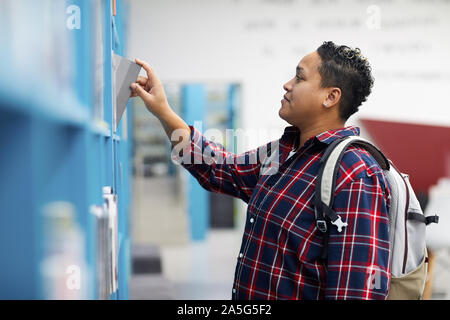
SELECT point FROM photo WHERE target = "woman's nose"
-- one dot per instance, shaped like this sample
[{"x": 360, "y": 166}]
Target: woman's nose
[{"x": 287, "y": 86}]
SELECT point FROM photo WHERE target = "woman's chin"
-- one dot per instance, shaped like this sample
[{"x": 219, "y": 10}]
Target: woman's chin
[
  {"x": 284, "y": 116},
  {"x": 282, "y": 113}
]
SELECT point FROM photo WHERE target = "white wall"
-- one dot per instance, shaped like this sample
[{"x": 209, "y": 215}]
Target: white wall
[{"x": 259, "y": 43}]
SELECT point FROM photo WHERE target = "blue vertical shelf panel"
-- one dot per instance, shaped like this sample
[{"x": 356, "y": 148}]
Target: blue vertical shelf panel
[
  {"x": 108, "y": 94},
  {"x": 234, "y": 100},
  {"x": 122, "y": 163},
  {"x": 85, "y": 152},
  {"x": 116, "y": 147},
  {"x": 108, "y": 100},
  {"x": 94, "y": 189},
  {"x": 193, "y": 104}
]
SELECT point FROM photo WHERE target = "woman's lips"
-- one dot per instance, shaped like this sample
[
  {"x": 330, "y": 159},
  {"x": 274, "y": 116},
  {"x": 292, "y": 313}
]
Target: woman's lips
[{"x": 285, "y": 98}]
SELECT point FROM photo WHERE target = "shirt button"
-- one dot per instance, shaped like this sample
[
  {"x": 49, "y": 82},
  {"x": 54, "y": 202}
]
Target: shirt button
[
  {"x": 234, "y": 290},
  {"x": 240, "y": 255},
  {"x": 252, "y": 220}
]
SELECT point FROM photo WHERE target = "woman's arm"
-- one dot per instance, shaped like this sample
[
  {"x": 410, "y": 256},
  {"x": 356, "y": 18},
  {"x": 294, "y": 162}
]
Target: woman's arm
[{"x": 216, "y": 169}]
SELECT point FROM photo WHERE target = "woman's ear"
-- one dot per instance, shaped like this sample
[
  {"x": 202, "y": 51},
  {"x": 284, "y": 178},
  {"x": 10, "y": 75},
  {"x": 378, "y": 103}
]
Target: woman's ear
[{"x": 333, "y": 98}]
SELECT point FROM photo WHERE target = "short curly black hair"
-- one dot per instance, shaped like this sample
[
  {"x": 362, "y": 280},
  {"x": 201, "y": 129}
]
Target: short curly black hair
[{"x": 347, "y": 69}]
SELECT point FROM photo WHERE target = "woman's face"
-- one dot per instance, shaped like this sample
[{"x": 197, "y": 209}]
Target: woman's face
[{"x": 304, "y": 96}]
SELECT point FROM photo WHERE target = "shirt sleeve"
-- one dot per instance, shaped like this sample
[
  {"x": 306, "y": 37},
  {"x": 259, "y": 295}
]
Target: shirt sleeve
[
  {"x": 358, "y": 256},
  {"x": 218, "y": 170}
]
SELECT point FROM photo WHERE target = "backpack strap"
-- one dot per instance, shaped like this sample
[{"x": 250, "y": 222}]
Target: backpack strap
[
  {"x": 421, "y": 218},
  {"x": 326, "y": 181}
]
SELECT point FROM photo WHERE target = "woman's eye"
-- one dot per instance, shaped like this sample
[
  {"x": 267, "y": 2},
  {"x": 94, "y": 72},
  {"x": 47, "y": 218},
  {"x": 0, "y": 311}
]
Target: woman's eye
[{"x": 298, "y": 77}]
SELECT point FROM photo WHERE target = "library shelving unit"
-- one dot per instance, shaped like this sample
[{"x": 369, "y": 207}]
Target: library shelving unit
[
  {"x": 212, "y": 106},
  {"x": 59, "y": 150}
]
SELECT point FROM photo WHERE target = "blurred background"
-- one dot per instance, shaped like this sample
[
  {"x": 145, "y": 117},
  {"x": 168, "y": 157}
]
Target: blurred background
[{"x": 91, "y": 211}]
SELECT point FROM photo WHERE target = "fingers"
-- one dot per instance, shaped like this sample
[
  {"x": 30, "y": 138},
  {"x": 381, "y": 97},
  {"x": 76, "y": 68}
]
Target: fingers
[
  {"x": 133, "y": 93},
  {"x": 144, "y": 83},
  {"x": 142, "y": 80},
  {"x": 137, "y": 90},
  {"x": 150, "y": 72}
]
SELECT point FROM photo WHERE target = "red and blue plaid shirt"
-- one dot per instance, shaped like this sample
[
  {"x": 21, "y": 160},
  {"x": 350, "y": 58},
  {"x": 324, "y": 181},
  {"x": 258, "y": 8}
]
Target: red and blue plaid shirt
[{"x": 281, "y": 246}]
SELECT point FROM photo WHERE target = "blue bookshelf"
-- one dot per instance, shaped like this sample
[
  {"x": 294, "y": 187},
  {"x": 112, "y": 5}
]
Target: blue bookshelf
[
  {"x": 212, "y": 106},
  {"x": 58, "y": 146}
]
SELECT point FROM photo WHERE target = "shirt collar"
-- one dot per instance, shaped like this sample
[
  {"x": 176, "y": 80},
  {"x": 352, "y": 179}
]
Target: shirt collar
[{"x": 291, "y": 133}]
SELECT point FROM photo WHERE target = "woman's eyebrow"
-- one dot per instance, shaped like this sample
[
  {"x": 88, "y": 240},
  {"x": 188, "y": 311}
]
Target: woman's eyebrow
[{"x": 300, "y": 70}]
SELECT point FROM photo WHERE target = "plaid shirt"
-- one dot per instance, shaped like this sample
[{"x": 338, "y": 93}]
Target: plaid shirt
[{"x": 281, "y": 246}]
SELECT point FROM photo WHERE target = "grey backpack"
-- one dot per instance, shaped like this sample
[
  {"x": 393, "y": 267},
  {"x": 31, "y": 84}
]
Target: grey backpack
[{"x": 407, "y": 222}]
